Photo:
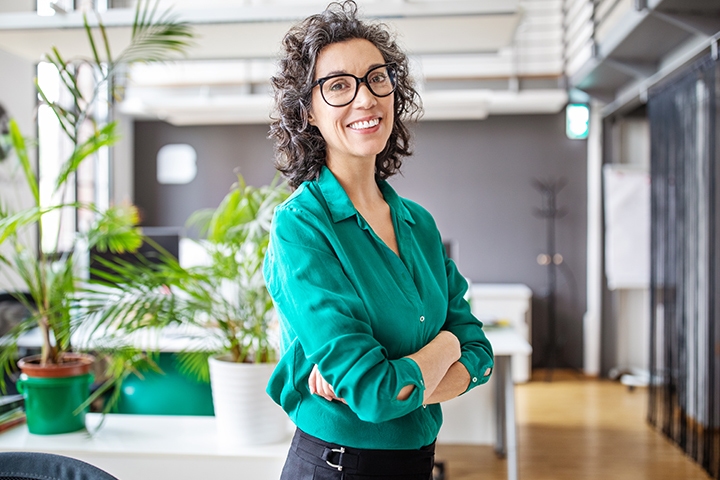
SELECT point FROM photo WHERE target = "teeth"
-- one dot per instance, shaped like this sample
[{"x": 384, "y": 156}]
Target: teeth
[{"x": 363, "y": 125}]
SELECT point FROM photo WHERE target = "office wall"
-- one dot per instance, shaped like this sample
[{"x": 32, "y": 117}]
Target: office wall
[
  {"x": 221, "y": 150},
  {"x": 475, "y": 177},
  {"x": 18, "y": 6},
  {"x": 17, "y": 95}
]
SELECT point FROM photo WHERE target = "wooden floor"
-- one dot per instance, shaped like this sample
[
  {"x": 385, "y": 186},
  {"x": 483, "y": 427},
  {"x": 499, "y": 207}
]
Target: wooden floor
[{"x": 574, "y": 428}]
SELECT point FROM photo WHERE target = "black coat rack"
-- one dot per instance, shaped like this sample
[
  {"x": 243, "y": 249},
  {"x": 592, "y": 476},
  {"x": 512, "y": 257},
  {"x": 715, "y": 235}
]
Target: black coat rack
[{"x": 551, "y": 259}]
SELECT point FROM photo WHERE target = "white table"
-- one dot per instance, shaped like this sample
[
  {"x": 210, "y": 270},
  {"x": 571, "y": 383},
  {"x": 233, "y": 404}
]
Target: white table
[
  {"x": 172, "y": 338},
  {"x": 506, "y": 343},
  {"x": 150, "y": 447},
  {"x": 139, "y": 447},
  {"x": 509, "y": 302}
]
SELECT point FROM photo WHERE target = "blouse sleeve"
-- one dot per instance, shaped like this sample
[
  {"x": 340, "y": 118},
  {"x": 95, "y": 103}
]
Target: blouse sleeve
[
  {"x": 317, "y": 302},
  {"x": 476, "y": 351}
]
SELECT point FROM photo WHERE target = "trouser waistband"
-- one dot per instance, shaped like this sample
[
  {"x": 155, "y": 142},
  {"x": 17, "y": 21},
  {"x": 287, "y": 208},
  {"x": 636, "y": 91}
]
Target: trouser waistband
[{"x": 361, "y": 460}]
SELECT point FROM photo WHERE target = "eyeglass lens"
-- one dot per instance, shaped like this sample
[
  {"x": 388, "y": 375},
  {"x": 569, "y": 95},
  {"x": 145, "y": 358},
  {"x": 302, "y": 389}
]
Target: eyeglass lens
[{"x": 341, "y": 90}]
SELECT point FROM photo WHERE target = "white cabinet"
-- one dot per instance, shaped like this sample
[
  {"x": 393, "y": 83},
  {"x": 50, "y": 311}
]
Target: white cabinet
[{"x": 506, "y": 304}]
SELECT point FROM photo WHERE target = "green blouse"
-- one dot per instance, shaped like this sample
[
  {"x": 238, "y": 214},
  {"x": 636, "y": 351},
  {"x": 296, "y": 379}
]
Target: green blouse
[{"x": 350, "y": 305}]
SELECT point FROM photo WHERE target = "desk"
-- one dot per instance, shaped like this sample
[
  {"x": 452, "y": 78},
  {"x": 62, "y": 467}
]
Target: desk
[
  {"x": 506, "y": 343},
  {"x": 149, "y": 447},
  {"x": 511, "y": 302},
  {"x": 140, "y": 447}
]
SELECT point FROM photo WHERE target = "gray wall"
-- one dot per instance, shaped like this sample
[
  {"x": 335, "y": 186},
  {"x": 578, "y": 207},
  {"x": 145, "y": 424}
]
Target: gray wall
[
  {"x": 221, "y": 150},
  {"x": 475, "y": 177}
]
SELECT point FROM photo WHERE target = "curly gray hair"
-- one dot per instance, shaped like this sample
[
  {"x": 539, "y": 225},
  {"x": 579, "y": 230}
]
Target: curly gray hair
[{"x": 299, "y": 146}]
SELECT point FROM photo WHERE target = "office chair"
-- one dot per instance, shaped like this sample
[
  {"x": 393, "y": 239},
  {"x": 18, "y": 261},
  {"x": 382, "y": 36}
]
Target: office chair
[{"x": 47, "y": 466}]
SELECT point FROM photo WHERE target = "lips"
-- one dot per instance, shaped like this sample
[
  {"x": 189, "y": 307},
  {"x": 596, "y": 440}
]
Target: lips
[{"x": 364, "y": 124}]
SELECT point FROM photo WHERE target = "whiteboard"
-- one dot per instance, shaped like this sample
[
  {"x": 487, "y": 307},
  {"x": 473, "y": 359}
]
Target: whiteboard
[{"x": 627, "y": 226}]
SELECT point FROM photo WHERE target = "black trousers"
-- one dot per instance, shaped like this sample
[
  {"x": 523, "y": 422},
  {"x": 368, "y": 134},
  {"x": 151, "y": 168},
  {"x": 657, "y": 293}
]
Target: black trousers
[{"x": 310, "y": 458}]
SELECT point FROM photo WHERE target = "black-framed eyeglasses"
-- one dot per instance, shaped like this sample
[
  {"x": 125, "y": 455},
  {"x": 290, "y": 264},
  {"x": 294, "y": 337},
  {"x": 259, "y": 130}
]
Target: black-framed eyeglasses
[{"x": 341, "y": 89}]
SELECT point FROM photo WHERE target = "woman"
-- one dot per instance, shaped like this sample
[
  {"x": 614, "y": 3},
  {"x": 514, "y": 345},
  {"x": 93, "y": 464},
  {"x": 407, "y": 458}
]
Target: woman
[{"x": 375, "y": 330}]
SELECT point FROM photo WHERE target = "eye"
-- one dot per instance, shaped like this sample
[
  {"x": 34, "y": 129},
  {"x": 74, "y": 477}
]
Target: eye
[
  {"x": 337, "y": 85},
  {"x": 378, "y": 77}
]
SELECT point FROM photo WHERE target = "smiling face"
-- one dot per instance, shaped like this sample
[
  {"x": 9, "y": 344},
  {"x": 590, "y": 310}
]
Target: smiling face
[{"x": 359, "y": 131}]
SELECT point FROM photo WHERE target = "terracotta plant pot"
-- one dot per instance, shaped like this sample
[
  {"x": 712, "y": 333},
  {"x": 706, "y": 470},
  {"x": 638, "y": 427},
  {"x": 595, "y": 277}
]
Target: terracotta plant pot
[{"x": 73, "y": 364}]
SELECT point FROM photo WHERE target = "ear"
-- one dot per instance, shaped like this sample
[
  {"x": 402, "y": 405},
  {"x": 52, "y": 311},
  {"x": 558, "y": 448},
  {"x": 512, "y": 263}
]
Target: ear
[{"x": 306, "y": 116}]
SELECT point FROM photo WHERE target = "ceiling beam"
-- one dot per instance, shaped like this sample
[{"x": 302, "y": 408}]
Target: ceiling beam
[
  {"x": 291, "y": 12},
  {"x": 450, "y": 35},
  {"x": 255, "y": 109}
]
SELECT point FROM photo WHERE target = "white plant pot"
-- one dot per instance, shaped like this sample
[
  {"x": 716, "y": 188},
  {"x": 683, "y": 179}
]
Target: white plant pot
[{"x": 244, "y": 413}]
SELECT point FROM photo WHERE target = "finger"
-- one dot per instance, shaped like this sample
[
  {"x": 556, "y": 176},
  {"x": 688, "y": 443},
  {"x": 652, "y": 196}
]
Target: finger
[
  {"x": 313, "y": 380},
  {"x": 331, "y": 391},
  {"x": 327, "y": 390},
  {"x": 324, "y": 388},
  {"x": 318, "y": 385}
]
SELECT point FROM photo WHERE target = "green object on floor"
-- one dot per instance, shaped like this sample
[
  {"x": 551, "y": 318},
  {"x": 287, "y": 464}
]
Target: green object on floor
[
  {"x": 50, "y": 403},
  {"x": 167, "y": 393}
]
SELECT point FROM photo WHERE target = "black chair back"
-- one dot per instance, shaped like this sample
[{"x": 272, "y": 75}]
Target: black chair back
[{"x": 47, "y": 466}]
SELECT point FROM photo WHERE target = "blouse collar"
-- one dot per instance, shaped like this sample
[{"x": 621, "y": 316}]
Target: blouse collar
[{"x": 341, "y": 206}]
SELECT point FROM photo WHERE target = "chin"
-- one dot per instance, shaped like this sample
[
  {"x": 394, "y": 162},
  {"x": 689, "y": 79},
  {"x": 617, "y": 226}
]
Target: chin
[{"x": 376, "y": 149}]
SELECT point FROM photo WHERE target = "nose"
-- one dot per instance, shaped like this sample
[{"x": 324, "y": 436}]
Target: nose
[{"x": 364, "y": 97}]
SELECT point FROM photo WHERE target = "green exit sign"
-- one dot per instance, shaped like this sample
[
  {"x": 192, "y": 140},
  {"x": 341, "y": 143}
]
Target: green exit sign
[{"x": 577, "y": 121}]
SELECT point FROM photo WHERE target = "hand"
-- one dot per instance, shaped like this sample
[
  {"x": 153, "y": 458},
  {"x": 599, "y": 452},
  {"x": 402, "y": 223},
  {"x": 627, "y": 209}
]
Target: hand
[{"x": 319, "y": 386}]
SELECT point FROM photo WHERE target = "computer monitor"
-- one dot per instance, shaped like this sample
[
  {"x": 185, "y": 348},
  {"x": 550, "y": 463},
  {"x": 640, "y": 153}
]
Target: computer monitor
[{"x": 168, "y": 238}]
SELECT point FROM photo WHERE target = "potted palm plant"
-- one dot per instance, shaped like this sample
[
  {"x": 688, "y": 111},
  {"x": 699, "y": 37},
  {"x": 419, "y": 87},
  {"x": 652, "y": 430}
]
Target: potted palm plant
[
  {"x": 222, "y": 303},
  {"x": 56, "y": 382},
  {"x": 237, "y": 234}
]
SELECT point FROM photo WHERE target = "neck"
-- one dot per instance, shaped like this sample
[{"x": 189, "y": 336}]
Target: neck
[{"x": 358, "y": 181}]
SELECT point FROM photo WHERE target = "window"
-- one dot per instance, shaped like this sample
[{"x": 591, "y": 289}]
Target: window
[{"x": 91, "y": 183}]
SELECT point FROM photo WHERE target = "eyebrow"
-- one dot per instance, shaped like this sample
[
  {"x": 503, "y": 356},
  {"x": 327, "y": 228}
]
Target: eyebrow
[{"x": 343, "y": 72}]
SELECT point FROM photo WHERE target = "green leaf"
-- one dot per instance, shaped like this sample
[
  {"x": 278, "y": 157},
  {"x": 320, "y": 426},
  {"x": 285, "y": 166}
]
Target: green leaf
[
  {"x": 21, "y": 151},
  {"x": 91, "y": 40},
  {"x": 194, "y": 365},
  {"x": 201, "y": 219},
  {"x": 155, "y": 40},
  {"x": 116, "y": 230},
  {"x": 68, "y": 78},
  {"x": 106, "y": 136},
  {"x": 134, "y": 295},
  {"x": 9, "y": 226},
  {"x": 65, "y": 122},
  {"x": 122, "y": 361},
  {"x": 103, "y": 32}
]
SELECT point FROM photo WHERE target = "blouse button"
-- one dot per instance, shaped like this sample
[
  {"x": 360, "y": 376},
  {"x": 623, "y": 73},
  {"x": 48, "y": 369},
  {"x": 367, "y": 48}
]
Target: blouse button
[
  {"x": 422, "y": 318},
  {"x": 424, "y": 406},
  {"x": 474, "y": 379}
]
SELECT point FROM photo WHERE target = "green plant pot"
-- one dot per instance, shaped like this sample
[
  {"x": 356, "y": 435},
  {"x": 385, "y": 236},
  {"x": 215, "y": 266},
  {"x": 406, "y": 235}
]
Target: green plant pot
[
  {"x": 166, "y": 393},
  {"x": 50, "y": 403}
]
